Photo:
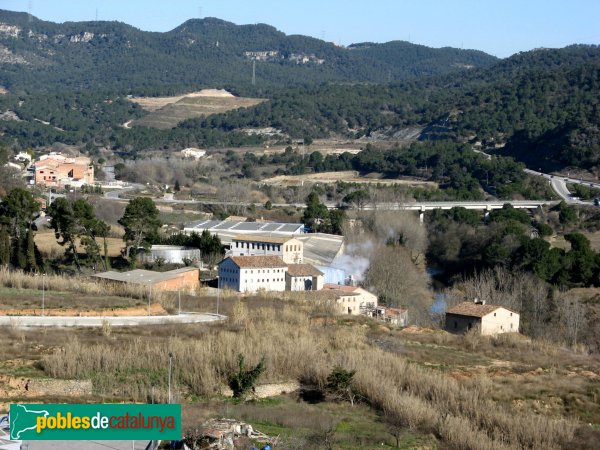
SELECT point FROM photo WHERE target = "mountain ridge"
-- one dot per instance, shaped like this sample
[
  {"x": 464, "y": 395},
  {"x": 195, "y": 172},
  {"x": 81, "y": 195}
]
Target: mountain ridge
[{"x": 210, "y": 52}]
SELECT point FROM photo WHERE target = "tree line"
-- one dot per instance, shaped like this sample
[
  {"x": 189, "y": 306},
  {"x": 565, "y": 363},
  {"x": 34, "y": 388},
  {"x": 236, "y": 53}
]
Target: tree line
[{"x": 84, "y": 235}]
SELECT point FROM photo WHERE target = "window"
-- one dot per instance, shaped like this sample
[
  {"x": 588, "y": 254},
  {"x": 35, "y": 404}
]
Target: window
[
  {"x": 511, "y": 326},
  {"x": 510, "y": 314},
  {"x": 494, "y": 314}
]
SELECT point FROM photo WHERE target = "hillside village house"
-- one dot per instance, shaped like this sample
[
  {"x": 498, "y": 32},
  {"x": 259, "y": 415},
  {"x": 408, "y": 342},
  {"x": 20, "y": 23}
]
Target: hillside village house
[
  {"x": 251, "y": 273},
  {"x": 303, "y": 277},
  {"x": 291, "y": 250},
  {"x": 489, "y": 319},
  {"x": 352, "y": 300},
  {"x": 57, "y": 170}
]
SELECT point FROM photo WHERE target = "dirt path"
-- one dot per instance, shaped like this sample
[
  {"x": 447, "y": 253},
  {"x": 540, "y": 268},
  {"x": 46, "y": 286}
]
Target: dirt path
[{"x": 155, "y": 310}]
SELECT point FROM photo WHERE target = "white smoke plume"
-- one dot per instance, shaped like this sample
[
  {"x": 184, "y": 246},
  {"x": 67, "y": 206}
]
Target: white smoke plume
[{"x": 353, "y": 261}]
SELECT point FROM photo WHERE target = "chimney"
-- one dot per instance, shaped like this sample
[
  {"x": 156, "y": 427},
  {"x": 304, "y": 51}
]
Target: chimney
[{"x": 477, "y": 301}]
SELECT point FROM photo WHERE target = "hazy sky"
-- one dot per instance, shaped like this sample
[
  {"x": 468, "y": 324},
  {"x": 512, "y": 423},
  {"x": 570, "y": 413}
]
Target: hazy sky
[{"x": 499, "y": 27}]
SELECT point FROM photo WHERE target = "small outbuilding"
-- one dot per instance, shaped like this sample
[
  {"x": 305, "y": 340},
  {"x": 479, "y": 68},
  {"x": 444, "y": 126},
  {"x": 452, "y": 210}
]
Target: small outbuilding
[
  {"x": 185, "y": 279},
  {"x": 489, "y": 319},
  {"x": 171, "y": 254},
  {"x": 303, "y": 277}
]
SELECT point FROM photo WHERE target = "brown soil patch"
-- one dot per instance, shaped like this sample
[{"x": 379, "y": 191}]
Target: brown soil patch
[
  {"x": 155, "y": 310},
  {"x": 413, "y": 329},
  {"x": 348, "y": 176}
]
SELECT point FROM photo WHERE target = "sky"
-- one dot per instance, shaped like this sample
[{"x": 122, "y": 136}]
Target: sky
[{"x": 498, "y": 27}]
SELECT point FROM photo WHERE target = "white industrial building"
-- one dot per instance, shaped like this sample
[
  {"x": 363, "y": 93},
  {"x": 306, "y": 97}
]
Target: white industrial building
[
  {"x": 252, "y": 273},
  {"x": 303, "y": 277},
  {"x": 291, "y": 250},
  {"x": 171, "y": 254},
  {"x": 235, "y": 227}
]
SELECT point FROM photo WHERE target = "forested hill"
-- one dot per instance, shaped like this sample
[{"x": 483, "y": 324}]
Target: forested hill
[{"x": 36, "y": 55}]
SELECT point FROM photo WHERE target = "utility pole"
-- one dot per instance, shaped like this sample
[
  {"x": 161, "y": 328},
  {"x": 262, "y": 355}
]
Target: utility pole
[
  {"x": 253, "y": 72},
  {"x": 43, "y": 293},
  {"x": 170, "y": 367},
  {"x": 179, "y": 301},
  {"x": 218, "y": 292},
  {"x": 149, "y": 298}
]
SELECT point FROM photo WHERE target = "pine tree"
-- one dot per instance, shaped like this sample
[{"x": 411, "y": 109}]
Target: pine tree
[
  {"x": 4, "y": 247},
  {"x": 31, "y": 265}
]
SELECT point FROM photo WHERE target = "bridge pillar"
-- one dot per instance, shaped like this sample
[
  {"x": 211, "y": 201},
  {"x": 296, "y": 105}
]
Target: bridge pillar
[
  {"x": 422, "y": 216},
  {"x": 486, "y": 212}
]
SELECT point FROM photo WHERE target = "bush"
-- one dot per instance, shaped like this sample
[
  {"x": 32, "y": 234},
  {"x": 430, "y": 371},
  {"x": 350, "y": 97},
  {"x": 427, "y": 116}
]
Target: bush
[{"x": 244, "y": 379}]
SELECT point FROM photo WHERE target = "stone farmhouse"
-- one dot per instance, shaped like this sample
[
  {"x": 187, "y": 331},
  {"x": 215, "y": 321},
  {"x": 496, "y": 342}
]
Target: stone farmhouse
[{"x": 488, "y": 319}]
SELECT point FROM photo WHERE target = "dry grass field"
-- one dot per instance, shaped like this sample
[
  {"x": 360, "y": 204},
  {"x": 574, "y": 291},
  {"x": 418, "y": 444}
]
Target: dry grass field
[
  {"x": 425, "y": 387},
  {"x": 167, "y": 112},
  {"x": 594, "y": 239},
  {"x": 49, "y": 246},
  {"x": 348, "y": 176}
]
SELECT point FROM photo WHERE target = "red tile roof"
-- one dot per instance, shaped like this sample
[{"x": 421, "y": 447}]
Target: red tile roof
[
  {"x": 473, "y": 309},
  {"x": 340, "y": 287},
  {"x": 303, "y": 270},
  {"x": 257, "y": 262}
]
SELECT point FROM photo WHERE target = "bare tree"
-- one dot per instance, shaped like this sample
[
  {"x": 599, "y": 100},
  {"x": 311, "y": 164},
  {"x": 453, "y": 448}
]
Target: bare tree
[
  {"x": 572, "y": 315},
  {"x": 398, "y": 227},
  {"x": 396, "y": 279}
]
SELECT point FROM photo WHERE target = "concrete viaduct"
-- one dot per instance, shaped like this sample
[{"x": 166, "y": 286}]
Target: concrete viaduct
[{"x": 485, "y": 206}]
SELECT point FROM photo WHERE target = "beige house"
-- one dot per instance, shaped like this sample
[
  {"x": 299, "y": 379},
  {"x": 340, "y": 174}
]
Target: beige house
[
  {"x": 352, "y": 300},
  {"x": 59, "y": 170},
  {"x": 291, "y": 250},
  {"x": 490, "y": 319},
  {"x": 303, "y": 277}
]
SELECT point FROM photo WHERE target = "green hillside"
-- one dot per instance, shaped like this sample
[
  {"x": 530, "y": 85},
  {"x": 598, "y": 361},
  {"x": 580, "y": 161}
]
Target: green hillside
[{"x": 113, "y": 56}]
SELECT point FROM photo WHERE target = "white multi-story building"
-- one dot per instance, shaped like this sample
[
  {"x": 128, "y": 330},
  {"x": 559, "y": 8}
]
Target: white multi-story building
[
  {"x": 252, "y": 273},
  {"x": 291, "y": 250}
]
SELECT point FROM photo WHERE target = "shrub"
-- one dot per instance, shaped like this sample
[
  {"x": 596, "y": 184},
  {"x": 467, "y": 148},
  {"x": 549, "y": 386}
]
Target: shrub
[{"x": 244, "y": 379}]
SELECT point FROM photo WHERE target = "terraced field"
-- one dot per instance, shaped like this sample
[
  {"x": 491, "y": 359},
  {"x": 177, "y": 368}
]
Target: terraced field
[{"x": 167, "y": 112}]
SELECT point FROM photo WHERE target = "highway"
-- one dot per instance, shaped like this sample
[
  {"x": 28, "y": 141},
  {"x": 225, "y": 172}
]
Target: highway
[
  {"x": 559, "y": 185},
  {"x": 382, "y": 206}
]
